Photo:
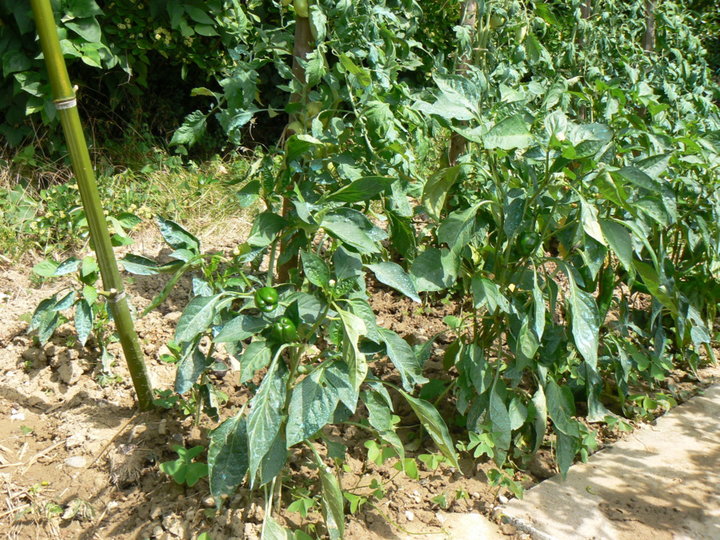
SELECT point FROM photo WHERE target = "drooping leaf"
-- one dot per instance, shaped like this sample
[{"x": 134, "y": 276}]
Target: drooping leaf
[
  {"x": 312, "y": 405},
  {"x": 435, "y": 426},
  {"x": 393, "y": 275},
  {"x": 508, "y": 134},
  {"x": 266, "y": 415},
  {"x": 189, "y": 368},
  {"x": 177, "y": 237},
  {"x": 315, "y": 269},
  {"x": 228, "y": 456},
  {"x": 500, "y": 422},
  {"x": 585, "y": 323},
  {"x": 83, "y": 321},
  {"x": 403, "y": 358},
  {"x": 265, "y": 227},
  {"x": 362, "y": 189},
  {"x": 353, "y": 328},
  {"x": 240, "y": 328},
  {"x": 196, "y": 318}
]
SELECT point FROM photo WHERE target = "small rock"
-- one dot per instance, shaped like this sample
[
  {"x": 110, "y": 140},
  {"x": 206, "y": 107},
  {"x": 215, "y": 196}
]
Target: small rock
[
  {"x": 475, "y": 495},
  {"x": 75, "y": 440},
  {"x": 440, "y": 518},
  {"x": 157, "y": 531},
  {"x": 508, "y": 529},
  {"x": 50, "y": 350},
  {"x": 173, "y": 316},
  {"x": 16, "y": 414},
  {"x": 77, "y": 462},
  {"x": 155, "y": 513},
  {"x": 174, "y": 525},
  {"x": 503, "y": 499},
  {"x": 35, "y": 356},
  {"x": 208, "y": 502},
  {"x": 70, "y": 373},
  {"x": 162, "y": 427},
  {"x": 409, "y": 515}
]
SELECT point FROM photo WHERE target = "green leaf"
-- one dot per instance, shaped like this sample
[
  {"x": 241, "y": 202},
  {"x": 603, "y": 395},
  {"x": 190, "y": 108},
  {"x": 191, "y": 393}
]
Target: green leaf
[
  {"x": 353, "y": 228},
  {"x": 510, "y": 133},
  {"x": 83, "y": 321},
  {"x": 487, "y": 293},
  {"x": 240, "y": 328},
  {"x": 393, "y": 275},
  {"x": 272, "y": 530},
  {"x": 619, "y": 240},
  {"x": 192, "y": 129},
  {"x": 559, "y": 410},
  {"x": 228, "y": 456},
  {"x": 68, "y": 266},
  {"x": 88, "y": 29},
  {"x": 45, "y": 268},
  {"x": 565, "y": 449},
  {"x": 500, "y": 422},
  {"x": 332, "y": 501},
  {"x": 353, "y": 328},
  {"x": 176, "y": 236},
  {"x": 189, "y": 368},
  {"x": 436, "y": 190},
  {"x": 585, "y": 323},
  {"x": 432, "y": 270},
  {"x": 82, "y": 8},
  {"x": 435, "y": 426},
  {"x": 589, "y": 217},
  {"x": 266, "y": 415},
  {"x": 312, "y": 405},
  {"x": 265, "y": 227},
  {"x": 380, "y": 418},
  {"x": 362, "y": 189},
  {"x": 315, "y": 270},
  {"x": 197, "y": 317},
  {"x": 255, "y": 357},
  {"x": 403, "y": 358}
]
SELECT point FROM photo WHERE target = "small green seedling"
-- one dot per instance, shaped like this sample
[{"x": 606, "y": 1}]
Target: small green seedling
[{"x": 183, "y": 470}]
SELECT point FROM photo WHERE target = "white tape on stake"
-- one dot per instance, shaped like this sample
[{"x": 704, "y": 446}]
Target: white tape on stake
[
  {"x": 114, "y": 299},
  {"x": 65, "y": 103}
]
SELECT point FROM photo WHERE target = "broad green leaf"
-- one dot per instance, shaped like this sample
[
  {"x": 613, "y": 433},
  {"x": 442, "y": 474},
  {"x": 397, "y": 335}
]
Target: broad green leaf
[
  {"x": 362, "y": 189},
  {"x": 45, "y": 319},
  {"x": 565, "y": 450},
  {"x": 487, "y": 293},
  {"x": 240, "y": 328},
  {"x": 88, "y": 29},
  {"x": 352, "y": 228},
  {"x": 380, "y": 418},
  {"x": 332, "y": 502},
  {"x": 510, "y": 133},
  {"x": 437, "y": 188},
  {"x": 197, "y": 317},
  {"x": 338, "y": 376},
  {"x": 559, "y": 411},
  {"x": 66, "y": 301},
  {"x": 393, "y": 275},
  {"x": 402, "y": 235},
  {"x": 435, "y": 426},
  {"x": 312, "y": 405},
  {"x": 353, "y": 328},
  {"x": 585, "y": 323},
  {"x": 228, "y": 456},
  {"x": 83, "y": 321},
  {"x": 265, "y": 227},
  {"x": 272, "y": 530},
  {"x": 189, "y": 368},
  {"x": 500, "y": 422},
  {"x": 46, "y": 268},
  {"x": 619, "y": 240},
  {"x": 315, "y": 270},
  {"x": 433, "y": 270},
  {"x": 266, "y": 415},
  {"x": 256, "y": 356},
  {"x": 589, "y": 217},
  {"x": 176, "y": 236},
  {"x": 403, "y": 358},
  {"x": 192, "y": 129},
  {"x": 68, "y": 266}
]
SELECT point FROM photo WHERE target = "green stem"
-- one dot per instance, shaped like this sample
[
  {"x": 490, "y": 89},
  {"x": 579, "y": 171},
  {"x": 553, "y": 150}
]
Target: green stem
[{"x": 66, "y": 104}]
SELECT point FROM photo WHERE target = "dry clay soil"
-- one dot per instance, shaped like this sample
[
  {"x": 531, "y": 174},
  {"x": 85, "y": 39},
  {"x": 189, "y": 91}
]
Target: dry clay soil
[{"x": 78, "y": 461}]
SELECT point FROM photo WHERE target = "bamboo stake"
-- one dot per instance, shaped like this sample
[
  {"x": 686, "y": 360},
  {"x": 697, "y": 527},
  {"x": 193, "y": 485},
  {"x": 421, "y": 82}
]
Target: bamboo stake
[{"x": 66, "y": 105}]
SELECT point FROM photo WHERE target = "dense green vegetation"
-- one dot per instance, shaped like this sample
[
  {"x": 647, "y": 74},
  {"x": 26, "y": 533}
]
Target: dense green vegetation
[{"x": 548, "y": 169}]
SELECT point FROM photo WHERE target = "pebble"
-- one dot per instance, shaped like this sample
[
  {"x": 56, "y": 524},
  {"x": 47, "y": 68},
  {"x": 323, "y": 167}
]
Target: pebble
[
  {"x": 69, "y": 373},
  {"x": 503, "y": 499},
  {"x": 409, "y": 515},
  {"x": 36, "y": 356},
  {"x": 77, "y": 462},
  {"x": 208, "y": 502},
  {"x": 15, "y": 414}
]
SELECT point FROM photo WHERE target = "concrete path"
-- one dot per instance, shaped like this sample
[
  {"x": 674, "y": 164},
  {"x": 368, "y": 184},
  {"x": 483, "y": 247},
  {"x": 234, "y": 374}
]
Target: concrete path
[{"x": 662, "y": 483}]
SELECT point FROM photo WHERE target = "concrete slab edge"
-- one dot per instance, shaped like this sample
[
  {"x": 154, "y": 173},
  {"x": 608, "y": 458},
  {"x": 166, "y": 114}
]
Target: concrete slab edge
[{"x": 524, "y": 526}]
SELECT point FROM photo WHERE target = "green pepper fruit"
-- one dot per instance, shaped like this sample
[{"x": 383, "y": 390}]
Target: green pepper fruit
[
  {"x": 266, "y": 299},
  {"x": 284, "y": 330},
  {"x": 528, "y": 243}
]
